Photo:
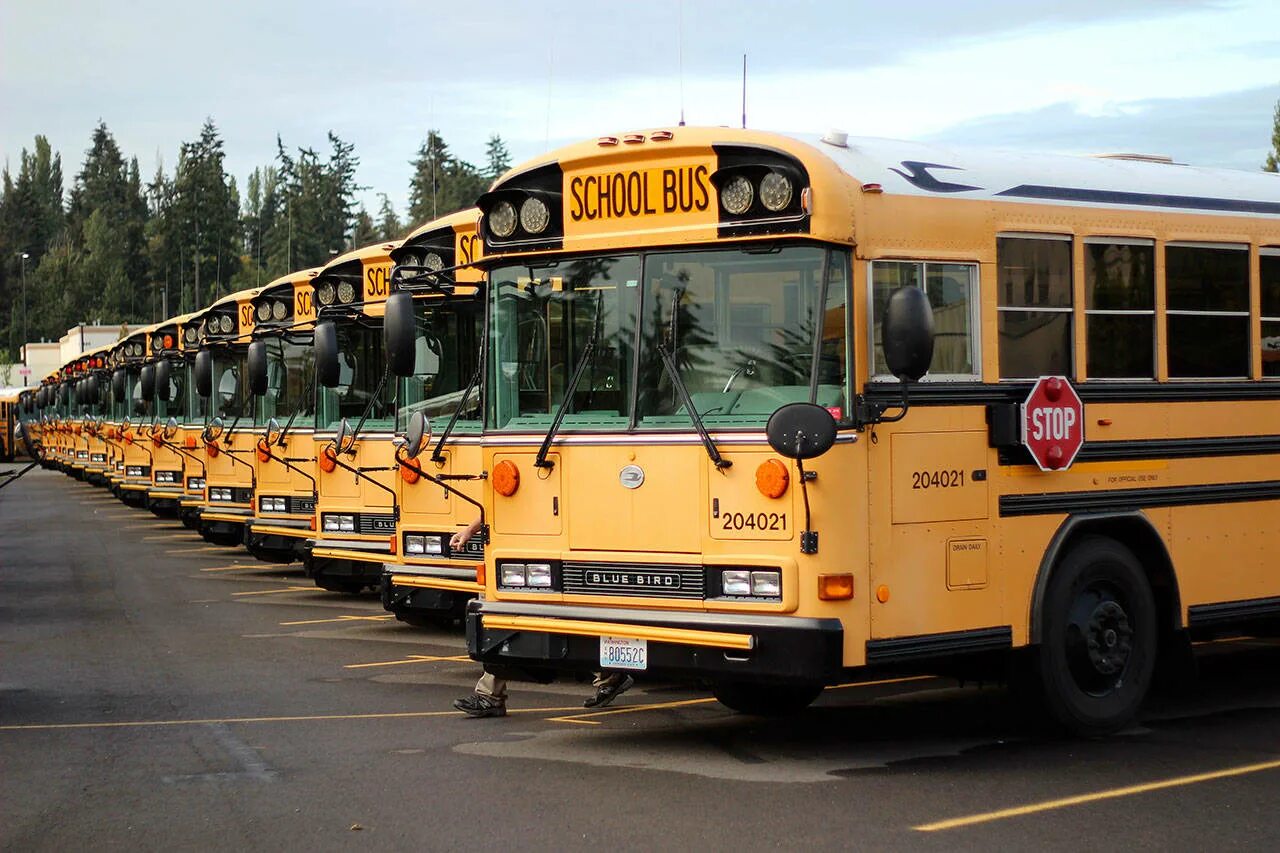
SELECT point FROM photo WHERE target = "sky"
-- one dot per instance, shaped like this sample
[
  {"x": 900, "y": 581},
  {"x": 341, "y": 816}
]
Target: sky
[{"x": 1193, "y": 79}]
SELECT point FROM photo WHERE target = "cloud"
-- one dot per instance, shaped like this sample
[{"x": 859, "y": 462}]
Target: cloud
[{"x": 1231, "y": 130}]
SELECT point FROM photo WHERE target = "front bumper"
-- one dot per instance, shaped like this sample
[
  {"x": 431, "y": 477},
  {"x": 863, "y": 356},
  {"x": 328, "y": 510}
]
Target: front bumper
[
  {"x": 427, "y": 589},
  {"x": 517, "y": 637},
  {"x": 356, "y": 550}
]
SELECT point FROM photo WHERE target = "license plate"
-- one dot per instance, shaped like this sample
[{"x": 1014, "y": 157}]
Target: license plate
[{"x": 624, "y": 653}]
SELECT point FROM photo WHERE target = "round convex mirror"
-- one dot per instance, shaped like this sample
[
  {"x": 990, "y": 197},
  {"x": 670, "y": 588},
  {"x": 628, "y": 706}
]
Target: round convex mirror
[
  {"x": 171, "y": 428},
  {"x": 417, "y": 434},
  {"x": 274, "y": 432},
  {"x": 213, "y": 431},
  {"x": 344, "y": 433}
]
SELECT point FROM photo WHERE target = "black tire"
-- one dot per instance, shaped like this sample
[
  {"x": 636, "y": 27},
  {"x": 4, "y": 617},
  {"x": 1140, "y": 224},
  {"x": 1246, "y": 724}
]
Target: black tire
[
  {"x": 1099, "y": 639},
  {"x": 766, "y": 700}
]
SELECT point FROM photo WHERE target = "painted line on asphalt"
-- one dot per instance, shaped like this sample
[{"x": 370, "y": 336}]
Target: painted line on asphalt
[
  {"x": 275, "y": 591},
  {"x": 411, "y": 659},
  {"x": 203, "y": 550},
  {"x": 138, "y": 724},
  {"x": 165, "y": 538},
  {"x": 237, "y": 567},
  {"x": 341, "y": 619},
  {"x": 583, "y": 719},
  {"x": 1097, "y": 796}
]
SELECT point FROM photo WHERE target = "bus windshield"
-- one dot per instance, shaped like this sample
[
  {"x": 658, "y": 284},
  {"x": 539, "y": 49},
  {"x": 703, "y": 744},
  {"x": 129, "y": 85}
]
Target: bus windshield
[
  {"x": 741, "y": 326},
  {"x": 290, "y": 381},
  {"x": 361, "y": 364},
  {"x": 176, "y": 405},
  {"x": 445, "y": 354},
  {"x": 230, "y": 384}
]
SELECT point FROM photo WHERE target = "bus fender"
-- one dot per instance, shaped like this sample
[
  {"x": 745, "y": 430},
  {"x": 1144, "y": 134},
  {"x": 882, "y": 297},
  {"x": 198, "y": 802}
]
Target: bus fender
[{"x": 1132, "y": 529}]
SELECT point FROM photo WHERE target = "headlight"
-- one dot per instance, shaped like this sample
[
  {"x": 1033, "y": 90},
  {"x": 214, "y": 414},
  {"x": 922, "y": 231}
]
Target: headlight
[
  {"x": 414, "y": 544},
  {"x": 538, "y": 575},
  {"x": 736, "y": 195},
  {"x": 346, "y": 292},
  {"x": 264, "y": 312},
  {"x": 513, "y": 574},
  {"x": 195, "y": 483},
  {"x": 279, "y": 311},
  {"x": 190, "y": 334},
  {"x": 534, "y": 215},
  {"x": 775, "y": 191},
  {"x": 766, "y": 584},
  {"x": 502, "y": 219},
  {"x": 326, "y": 293},
  {"x": 433, "y": 262},
  {"x": 225, "y": 324},
  {"x": 736, "y": 582},
  {"x": 410, "y": 259}
]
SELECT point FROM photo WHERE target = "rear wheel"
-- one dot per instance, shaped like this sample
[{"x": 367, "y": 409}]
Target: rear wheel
[
  {"x": 766, "y": 700},
  {"x": 1098, "y": 644}
]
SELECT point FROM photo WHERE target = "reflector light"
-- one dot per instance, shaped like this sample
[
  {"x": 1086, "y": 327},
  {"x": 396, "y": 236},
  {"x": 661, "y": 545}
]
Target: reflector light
[
  {"x": 506, "y": 478},
  {"x": 772, "y": 478},
  {"x": 835, "y": 587}
]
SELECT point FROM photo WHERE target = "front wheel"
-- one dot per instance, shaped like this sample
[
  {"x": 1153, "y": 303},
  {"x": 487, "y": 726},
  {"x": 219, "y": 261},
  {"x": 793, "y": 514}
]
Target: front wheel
[
  {"x": 766, "y": 700},
  {"x": 1098, "y": 645}
]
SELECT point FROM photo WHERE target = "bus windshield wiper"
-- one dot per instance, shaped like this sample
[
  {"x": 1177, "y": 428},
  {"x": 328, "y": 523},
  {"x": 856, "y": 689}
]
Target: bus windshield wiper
[
  {"x": 588, "y": 354},
  {"x": 373, "y": 398},
  {"x": 437, "y": 455},
  {"x": 713, "y": 452}
]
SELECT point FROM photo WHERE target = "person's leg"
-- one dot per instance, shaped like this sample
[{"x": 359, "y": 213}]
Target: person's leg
[
  {"x": 608, "y": 687},
  {"x": 488, "y": 700}
]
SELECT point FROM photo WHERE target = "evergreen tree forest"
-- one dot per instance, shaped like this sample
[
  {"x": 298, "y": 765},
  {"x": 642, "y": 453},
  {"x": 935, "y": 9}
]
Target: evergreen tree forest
[{"x": 103, "y": 243}]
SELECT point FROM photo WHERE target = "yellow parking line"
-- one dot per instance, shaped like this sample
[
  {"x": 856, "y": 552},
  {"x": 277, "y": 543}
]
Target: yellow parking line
[
  {"x": 274, "y": 591},
  {"x": 175, "y": 535},
  {"x": 340, "y": 619},
  {"x": 410, "y": 659},
  {"x": 239, "y": 566},
  {"x": 134, "y": 724},
  {"x": 205, "y": 549},
  {"x": 1098, "y": 796}
]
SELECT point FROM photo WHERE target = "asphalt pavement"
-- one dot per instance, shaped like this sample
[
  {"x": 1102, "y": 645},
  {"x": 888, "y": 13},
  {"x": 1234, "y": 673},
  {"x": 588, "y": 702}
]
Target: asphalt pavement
[{"x": 158, "y": 692}]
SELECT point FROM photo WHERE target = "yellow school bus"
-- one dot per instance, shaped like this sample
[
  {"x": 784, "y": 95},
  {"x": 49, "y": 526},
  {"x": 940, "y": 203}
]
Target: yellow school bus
[
  {"x": 356, "y": 505},
  {"x": 134, "y": 403},
  {"x": 434, "y": 332},
  {"x": 673, "y": 311},
  {"x": 281, "y": 365},
  {"x": 221, "y": 375},
  {"x": 172, "y": 432},
  {"x": 94, "y": 405},
  {"x": 10, "y": 426}
]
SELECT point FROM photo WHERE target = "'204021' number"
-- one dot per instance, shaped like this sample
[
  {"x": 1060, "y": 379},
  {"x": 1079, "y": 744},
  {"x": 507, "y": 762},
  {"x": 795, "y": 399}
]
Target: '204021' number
[
  {"x": 755, "y": 520},
  {"x": 948, "y": 479}
]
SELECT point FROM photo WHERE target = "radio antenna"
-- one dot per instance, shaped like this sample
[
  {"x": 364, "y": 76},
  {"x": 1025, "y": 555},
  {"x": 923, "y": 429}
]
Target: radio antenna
[
  {"x": 551, "y": 58},
  {"x": 680, "y": 54},
  {"x": 744, "y": 91}
]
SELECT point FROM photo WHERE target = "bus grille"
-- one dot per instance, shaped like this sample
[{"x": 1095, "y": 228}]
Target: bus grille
[
  {"x": 300, "y": 505},
  {"x": 646, "y": 580},
  {"x": 375, "y": 523}
]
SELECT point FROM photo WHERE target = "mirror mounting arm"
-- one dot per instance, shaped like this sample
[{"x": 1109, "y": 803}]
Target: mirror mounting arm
[{"x": 866, "y": 413}]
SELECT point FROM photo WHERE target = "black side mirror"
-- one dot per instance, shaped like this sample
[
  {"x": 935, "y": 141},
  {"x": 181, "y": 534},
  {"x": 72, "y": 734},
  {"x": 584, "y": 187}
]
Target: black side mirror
[
  {"x": 398, "y": 333},
  {"x": 801, "y": 431},
  {"x": 908, "y": 334},
  {"x": 148, "y": 381},
  {"x": 204, "y": 373},
  {"x": 139, "y": 407},
  {"x": 119, "y": 388},
  {"x": 417, "y": 435},
  {"x": 95, "y": 395},
  {"x": 164, "y": 374},
  {"x": 326, "y": 343},
  {"x": 258, "y": 368}
]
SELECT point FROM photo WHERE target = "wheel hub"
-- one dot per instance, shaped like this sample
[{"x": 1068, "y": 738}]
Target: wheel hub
[{"x": 1108, "y": 637}]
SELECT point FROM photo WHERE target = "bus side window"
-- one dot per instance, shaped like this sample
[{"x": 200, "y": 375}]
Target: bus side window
[
  {"x": 1033, "y": 292},
  {"x": 952, "y": 292},
  {"x": 1120, "y": 308},
  {"x": 1270, "y": 262},
  {"x": 1208, "y": 313}
]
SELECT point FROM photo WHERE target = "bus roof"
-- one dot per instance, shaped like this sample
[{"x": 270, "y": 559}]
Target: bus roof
[
  {"x": 376, "y": 251},
  {"x": 234, "y": 298},
  {"x": 462, "y": 217}
]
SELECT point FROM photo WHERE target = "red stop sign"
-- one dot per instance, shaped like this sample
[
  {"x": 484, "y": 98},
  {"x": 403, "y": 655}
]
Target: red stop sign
[{"x": 1053, "y": 423}]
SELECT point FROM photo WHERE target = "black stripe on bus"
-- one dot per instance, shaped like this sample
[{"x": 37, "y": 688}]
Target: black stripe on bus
[
  {"x": 989, "y": 394},
  {"x": 1228, "y": 612},
  {"x": 1179, "y": 448},
  {"x": 1057, "y": 503},
  {"x": 1182, "y": 202},
  {"x": 939, "y": 645}
]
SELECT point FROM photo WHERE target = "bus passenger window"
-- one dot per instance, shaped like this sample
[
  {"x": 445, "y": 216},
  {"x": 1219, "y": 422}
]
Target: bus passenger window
[
  {"x": 1271, "y": 312},
  {"x": 951, "y": 292},
  {"x": 1120, "y": 308},
  {"x": 1034, "y": 305},
  {"x": 1208, "y": 314}
]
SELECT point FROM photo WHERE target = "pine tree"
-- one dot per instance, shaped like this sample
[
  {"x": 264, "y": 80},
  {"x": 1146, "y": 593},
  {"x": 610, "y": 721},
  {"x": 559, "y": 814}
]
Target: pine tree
[
  {"x": 365, "y": 232},
  {"x": 315, "y": 206},
  {"x": 31, "y": 218},
  {"x": 1273, "y": 157},
  {"x": 389, "y": 227},
  {"x": 441, "y": 183},
  {"x": 497, "y": 158}
]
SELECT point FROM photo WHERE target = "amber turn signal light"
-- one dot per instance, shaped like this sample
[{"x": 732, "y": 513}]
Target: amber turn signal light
[
  {"x": 408, "y": 474},
  {"x": 328, "y": 460},
  {"x": 835, "y": 587},
  {"x": 506, "y": 478},
  {"x": 211, "y": 448},
  {"x": 264, "y": 453},
  {"x": 772, "y": 478}
]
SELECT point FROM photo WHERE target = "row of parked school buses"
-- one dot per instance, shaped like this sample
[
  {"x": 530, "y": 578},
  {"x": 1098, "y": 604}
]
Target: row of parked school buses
[{"x": 743, "y": 408}]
